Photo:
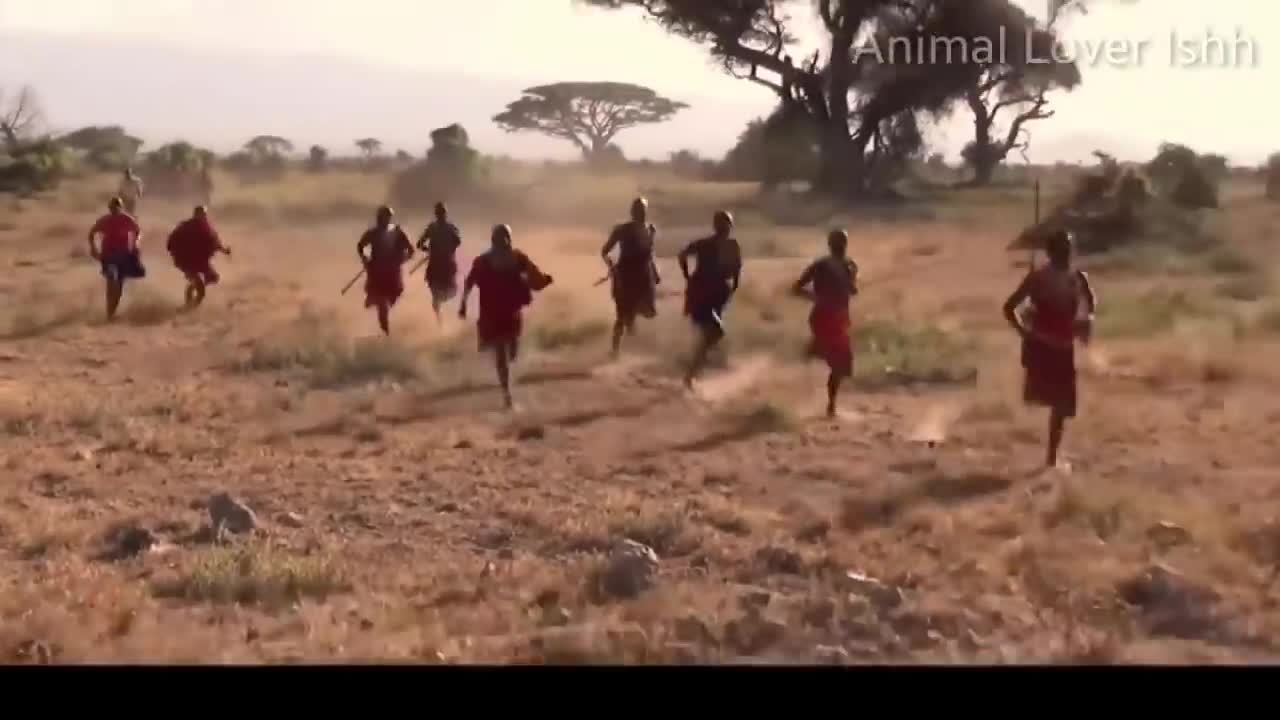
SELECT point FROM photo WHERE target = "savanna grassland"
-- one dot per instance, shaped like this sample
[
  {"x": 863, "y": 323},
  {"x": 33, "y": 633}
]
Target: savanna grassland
[{"x": 401, "y": 515}]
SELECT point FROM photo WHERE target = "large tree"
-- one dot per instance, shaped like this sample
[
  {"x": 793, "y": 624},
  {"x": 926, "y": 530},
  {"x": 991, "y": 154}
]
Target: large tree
[
  {"x": 588, "y": 114},
  {"x": 264, "y": 147},
  {"x": 1018, "y": 87},
  {"x": 858, "y": 88},
  {"x": 20, "y": 117},
  {"x": 105, "y": 147},
  {"x": 370, "y": 147}
]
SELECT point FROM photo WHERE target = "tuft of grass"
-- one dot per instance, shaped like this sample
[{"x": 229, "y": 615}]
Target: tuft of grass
[
  {"x": 891, "y": 354},
  {"x": 1244, "y": 288},
  {"x": 256, "y": 576},
  {"x": 8, "y": 226},
  {"x": 143, "y": 307},
  {"x": 1269, "y": 319},
  {"x": 1227, "y": 261},
  {"x": 1149, "y": 313},
  {"x": 764, "y": 418},
  {"x": 569, "y": 332},
  {"x": 312, "y": 344}
]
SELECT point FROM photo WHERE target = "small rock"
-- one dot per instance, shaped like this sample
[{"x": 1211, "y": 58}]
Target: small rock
[
  {"x": 831, "y": 655},
  {"x": 814, "y": 532},
  {"x": 547, "y": 598},
  {"x": 753, "y": 634},
  {"x": 819, "y": 613},
  {"x": 251, "y": 634},
  {"x": 290, "y": 519},
  {"x": 780, "y": 560},
  {"x": 632, "y": 569},
  {"x": 694, "y": 631},
  {"x": 532, "y": 432},
  {"x": 880, "y": 594},
  {"x": 506, "y": 553},
  {"x": 555, "y": 616},
  {"x": 463, "y": 445},
  {"x": 34, "y": 651},
  {"x": 448, "y": 508},
  {"x": 755, "y": 601},
  {"x": 227, "y": 513},
  {"x": 135, "y": 541},
  {"x": 1167, "y": 534},
  {"x": 366, "y": 624}
]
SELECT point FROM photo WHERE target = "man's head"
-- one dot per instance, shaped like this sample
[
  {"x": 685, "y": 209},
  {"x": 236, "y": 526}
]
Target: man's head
[
  {"x": 115, "y": 206},
  {"x": 639, "y": 210},
  {"x": 838, "y": 242},
  {"x": 1059, "y": 247},
  {"x": 200, "y": 213},
  {"x": 501, "y": 236},
  {"x": 128, "y": 173},
  {"x": 385, "y": 214},
  {"x": 723, "y": 223},
  {"x": 442, "y": 212}
]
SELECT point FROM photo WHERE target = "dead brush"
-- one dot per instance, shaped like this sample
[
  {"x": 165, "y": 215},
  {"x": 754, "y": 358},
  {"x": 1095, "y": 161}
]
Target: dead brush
[{"x": 256, "y": 576}]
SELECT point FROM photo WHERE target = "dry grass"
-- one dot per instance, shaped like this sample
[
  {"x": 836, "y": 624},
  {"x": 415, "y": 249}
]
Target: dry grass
[
  {"x": 256, "y": 576},
  {"x": 403, "y": 516}
]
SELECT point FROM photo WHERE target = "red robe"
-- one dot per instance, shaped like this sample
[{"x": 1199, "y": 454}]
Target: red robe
[
  {"x": 830, "y": 321},
  {"x": 384, "y": 280},
  {"x": 634, "y": 281},
  {"x": 192, "y": 245},
  {"x": 1048, "y": 354},
  {"x": 505, "y": 289}
]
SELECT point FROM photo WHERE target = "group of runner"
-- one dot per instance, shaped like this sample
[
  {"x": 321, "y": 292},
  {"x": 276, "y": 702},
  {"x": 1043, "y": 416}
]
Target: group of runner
[{"x": 1061, "y": 301}]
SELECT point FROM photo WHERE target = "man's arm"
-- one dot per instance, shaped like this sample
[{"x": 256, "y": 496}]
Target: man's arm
[
  {"x": 406, "y": 247},
  {"x": 1011, "y": 305},
  {"x": 467, "y": 284},
  {"x": 1090, "y": 298},
  {"x": 653, "y": 261},
  {"x": 360, "y": 246},
  {"x": 424, "y": 239},
  {"x": 608, "y": 247},
  {"x": 136, "y": 231},
  {"x": 806, "y": 277},
  {"x": 683, "y": 259},
  {"x": 737, "y": 265},
  {"x": 853, "y": 278},
  {"x": 93, "y": 248}
]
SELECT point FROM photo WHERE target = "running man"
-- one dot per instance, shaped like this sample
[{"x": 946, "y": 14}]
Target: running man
[
  {"x": 192, "y": 245},
  {"x": 440, "y": 241},
  {"x": 1057, "y": 293},
  {"x": 635, "y": 274},
  {"x": 835, "y": 281},
  {"x": 711, "y": 286},
  {"x": 120, "y": 253},
  {"x": 389, "y": 249}
]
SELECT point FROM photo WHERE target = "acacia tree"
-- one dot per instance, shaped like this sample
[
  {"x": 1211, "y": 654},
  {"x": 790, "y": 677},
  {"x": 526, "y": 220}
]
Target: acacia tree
[
  {"x": 19, "y": 116},
  {"x": 105, "y": 147},
  {"x": 268, "y": 147},
  {"x": 1020, "y": 85},
  {"x": 370, "y": 147},
  {"x": 863, "y": 100},
  {"x": 588, "y": 114}
]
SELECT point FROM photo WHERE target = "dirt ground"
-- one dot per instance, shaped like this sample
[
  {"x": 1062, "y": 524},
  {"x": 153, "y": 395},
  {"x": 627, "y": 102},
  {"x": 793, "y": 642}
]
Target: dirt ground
[{"x": 403, "y": 516}]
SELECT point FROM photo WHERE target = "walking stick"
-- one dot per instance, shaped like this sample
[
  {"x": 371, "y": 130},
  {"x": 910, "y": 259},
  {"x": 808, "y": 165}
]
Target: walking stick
[
  {"x": 353, "y": 281},
  {"x": 421, "y": 262}
]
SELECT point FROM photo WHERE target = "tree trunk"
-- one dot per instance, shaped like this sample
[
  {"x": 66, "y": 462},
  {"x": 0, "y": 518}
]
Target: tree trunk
[{"x": 985, "y": 158}]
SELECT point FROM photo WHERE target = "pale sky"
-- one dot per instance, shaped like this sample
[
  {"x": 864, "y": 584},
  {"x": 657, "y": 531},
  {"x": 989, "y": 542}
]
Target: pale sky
[{"x": 479, "y": 52}]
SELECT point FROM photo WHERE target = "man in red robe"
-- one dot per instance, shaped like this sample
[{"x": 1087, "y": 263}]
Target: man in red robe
[
  {"x": 440, "y": 241},
  {"x": 389, "y": 249},
  {"x": 835, "y": 281},
  {"x": 635, "y": 274},
  {"x": 1057, "y": 293},
  {"x": 506, "y": 279},
  {"x": 120, "y": 254},
  {"x": 192, "y": 245},
  {"x": 708, "y": 290}
]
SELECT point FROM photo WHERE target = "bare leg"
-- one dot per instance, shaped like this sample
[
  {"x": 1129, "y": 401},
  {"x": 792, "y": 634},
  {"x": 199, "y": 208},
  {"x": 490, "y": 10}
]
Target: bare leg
[
  {"x": 115, "y": 289},
  {"x": 190, "y": 295},
  {"x": 435, "y": 306},
  {"x": 384, "y": 320},
  {"x": 1057, "y": 423},
  {"x": 619, "y": 328},
  {"x": 699, "y": 358},
  {"x": 833, "y": 390},
  {"x": 504, "y": 371}
]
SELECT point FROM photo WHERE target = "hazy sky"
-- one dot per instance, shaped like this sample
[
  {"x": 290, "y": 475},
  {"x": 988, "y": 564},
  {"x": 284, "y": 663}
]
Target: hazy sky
[{"x": 476, "y": 54}]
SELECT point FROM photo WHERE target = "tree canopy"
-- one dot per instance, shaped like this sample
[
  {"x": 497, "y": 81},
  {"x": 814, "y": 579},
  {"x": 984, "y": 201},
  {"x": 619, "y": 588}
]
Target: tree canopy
[
  {"x": 862, "y": 95},
  {"x": 369, "y": 146},
  {"x": 588, "y": 114},
  {"x": 105, "y": 147},
  {"x": 268, "y": 146}
]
